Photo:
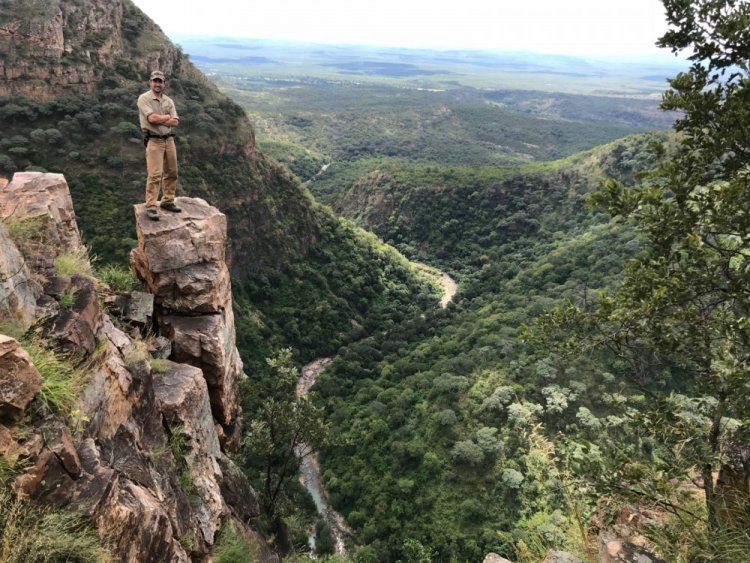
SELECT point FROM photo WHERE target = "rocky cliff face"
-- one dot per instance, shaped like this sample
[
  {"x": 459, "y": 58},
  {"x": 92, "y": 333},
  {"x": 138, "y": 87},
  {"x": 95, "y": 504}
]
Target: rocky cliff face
[
  {"x": 56, "y": 46},
  {"x": 141, "y": 449},
  {"x": 181, "y": 259},
  {"x": 49, "y": 48}
]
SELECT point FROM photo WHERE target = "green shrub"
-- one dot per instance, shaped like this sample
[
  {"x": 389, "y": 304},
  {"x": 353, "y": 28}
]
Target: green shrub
[{"x": 325, "y": 543}]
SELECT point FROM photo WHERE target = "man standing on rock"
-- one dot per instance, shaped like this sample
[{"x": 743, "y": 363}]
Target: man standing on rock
[{"x": 158, "y": 116}]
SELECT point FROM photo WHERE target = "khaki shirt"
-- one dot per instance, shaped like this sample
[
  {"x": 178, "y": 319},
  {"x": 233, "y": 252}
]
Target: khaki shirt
[{"x": 149, "y": 103}]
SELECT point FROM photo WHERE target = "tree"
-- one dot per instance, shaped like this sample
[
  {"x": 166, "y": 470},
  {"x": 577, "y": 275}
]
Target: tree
[
  {"x": 284, "y": 428},
  {"x": 325, "y": 543},
  {"x": 687, "y": 301}
]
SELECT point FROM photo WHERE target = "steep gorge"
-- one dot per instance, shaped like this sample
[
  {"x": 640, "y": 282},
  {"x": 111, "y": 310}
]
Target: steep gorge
[{"x": 151, "y": 435}]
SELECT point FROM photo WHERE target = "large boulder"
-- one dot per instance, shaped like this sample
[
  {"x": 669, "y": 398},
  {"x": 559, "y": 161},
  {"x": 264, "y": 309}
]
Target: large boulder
[
  {"x": 20, "y": 381},
  {"x": 38, "y": 207},
  {"x": 207, "y": 342},
  {"x": 182, "y": 257},
  {"x": 495, "y": 558},
  {"x": 613, "y": 549}
]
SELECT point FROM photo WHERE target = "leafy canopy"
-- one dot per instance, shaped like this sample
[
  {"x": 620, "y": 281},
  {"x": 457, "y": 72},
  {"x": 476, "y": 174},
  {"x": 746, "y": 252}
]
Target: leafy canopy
[{"x": 687, "y": 301}]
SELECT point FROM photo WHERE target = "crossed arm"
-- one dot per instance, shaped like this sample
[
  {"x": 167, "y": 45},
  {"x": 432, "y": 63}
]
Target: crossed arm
[{"x": 163, "y": 119}]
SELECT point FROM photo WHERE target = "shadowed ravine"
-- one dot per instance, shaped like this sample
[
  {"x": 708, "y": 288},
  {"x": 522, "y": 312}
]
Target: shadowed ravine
[{"x": 309, "y": 467}]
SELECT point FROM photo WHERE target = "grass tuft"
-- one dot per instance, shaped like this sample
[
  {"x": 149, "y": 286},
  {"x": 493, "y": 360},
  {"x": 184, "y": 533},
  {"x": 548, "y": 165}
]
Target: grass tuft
[
  {"x": 62, "y": 381},
  {"x": 72, "y": 263},
  {"x": 178, "y": 443},
  {"x": 117, "y": 277},
  {"x": 231, "y": 547},
  {"x": 67, "y": 298},
  {"x": 31, "y": 533},
  {"x": 159, "y": 365},
  {"x": 15, "y": 328},
  {"x": 27, "y": 230},
  {"x": 136, "y": 354}
]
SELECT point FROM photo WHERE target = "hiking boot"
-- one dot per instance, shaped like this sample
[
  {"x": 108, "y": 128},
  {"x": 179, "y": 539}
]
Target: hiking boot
[
  {"x": 170, "y": 206},
  {"x": 152, "y": 213}
]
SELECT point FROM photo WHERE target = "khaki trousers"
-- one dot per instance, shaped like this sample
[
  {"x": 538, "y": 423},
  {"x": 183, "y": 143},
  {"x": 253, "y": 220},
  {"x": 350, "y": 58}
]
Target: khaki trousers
[{"x": 161, "y": 164}]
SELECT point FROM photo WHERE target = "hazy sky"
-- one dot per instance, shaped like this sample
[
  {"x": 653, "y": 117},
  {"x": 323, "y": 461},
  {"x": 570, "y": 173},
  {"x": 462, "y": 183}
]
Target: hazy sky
[{"x": 590, "y": 27}]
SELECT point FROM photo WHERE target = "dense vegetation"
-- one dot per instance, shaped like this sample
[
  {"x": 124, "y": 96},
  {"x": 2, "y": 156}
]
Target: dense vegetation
[
  {"x": 686, "y": 300},
  {"x": 454, "y": 435},
  {"x": 463, "y": 438},
  {"x": 438, "y": 421},
  {"x": 463, "y": 219},
  {"x": 331, "y": 113},
  {"x": 476, "y": 428}
]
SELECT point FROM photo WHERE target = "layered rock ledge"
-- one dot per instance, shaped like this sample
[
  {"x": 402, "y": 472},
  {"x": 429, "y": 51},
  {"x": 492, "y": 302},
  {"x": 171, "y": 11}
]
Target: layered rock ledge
[
  {"x": 182, "y": 260},
  {"x": 138, "y": 451}
]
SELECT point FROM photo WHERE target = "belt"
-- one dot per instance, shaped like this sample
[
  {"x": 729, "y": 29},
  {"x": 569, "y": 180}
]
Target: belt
[{"x": 152, "y": 136}]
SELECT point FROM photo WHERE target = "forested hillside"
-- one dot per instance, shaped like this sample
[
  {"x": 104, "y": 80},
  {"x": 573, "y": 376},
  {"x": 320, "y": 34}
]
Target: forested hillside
[
  {"x": 447, "y": 424},
  {"x": 73, "y": 111},
  {"x": 497, "y": 426},
  {"x": 332, "y": 115}
]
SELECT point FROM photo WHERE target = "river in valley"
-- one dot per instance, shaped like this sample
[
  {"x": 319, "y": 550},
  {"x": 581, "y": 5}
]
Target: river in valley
[{"x": 309, "y": 467}]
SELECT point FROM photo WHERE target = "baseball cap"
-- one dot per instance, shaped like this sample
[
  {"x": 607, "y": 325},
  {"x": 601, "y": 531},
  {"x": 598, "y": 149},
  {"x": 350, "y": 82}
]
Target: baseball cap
[{"x": 157, "y": 74}]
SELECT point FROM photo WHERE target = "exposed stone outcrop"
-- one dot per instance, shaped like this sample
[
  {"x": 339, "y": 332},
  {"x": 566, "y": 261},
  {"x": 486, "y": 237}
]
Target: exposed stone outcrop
[
  {"x": 55, "y": 46},
  {"x": 139, "y": 452},
  {"x": 40, "y": 206},
  {"x": 181, "y": 258},
  {"x": 494, "y": 558},
  {"x": 20, "y": 381},
  {"x": 18, "y": 289},
  {"x": 182, "y": 397},
  {"x": 616, "y": 550},
  {"x": 76, "y": 326}
]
